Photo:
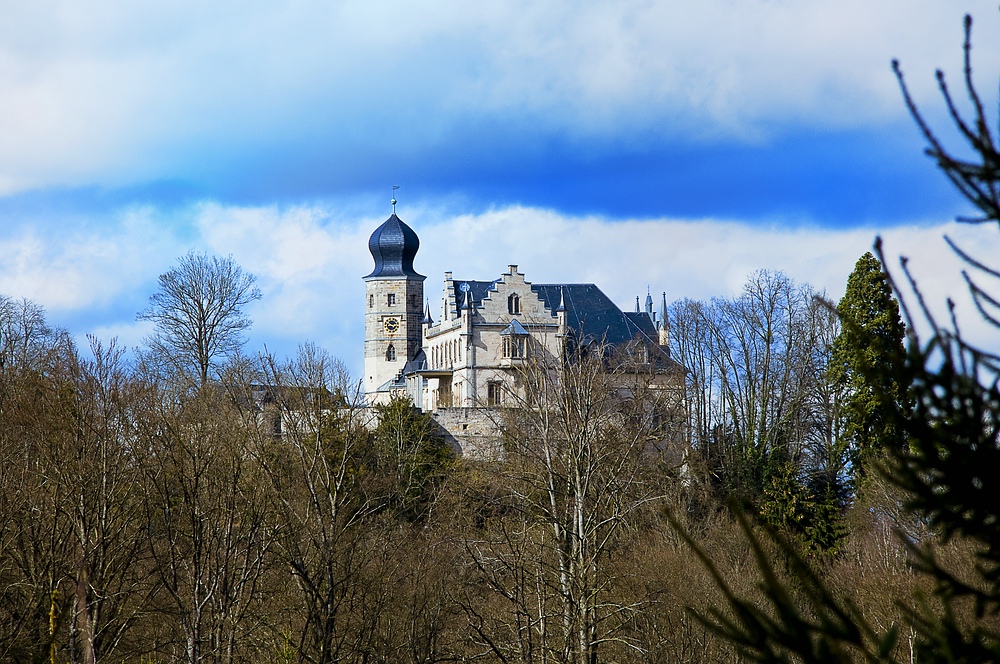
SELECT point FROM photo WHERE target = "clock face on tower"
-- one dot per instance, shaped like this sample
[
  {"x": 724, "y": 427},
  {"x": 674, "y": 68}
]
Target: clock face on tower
[{"x": 391, "y": 325}]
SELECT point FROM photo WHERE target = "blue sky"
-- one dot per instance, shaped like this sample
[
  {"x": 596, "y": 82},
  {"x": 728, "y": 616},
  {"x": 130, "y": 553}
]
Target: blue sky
[{"x": 678, "y": 146}]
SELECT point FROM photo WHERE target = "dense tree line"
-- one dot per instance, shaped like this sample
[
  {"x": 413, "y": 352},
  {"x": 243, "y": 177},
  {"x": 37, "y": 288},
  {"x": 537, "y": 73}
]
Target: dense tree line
[
  {"x": 929, "y": 417},
  {"x": 157, "y": 513}
]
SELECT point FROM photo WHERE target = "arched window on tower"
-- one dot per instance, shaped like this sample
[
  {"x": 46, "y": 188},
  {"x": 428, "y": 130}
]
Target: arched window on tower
[
  {"x": 513, "y": 304},
  {"x": 390, "y": 353}
]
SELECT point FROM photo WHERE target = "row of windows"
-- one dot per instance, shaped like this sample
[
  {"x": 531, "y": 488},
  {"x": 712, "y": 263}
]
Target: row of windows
[
  {"x": 390, "y": 300},
  {"x": 513, "y": 302},
  {"x": 445, "y": 354}
]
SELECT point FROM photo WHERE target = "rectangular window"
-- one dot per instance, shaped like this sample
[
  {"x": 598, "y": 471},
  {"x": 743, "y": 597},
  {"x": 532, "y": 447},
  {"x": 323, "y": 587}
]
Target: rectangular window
[
  {"x": 494, "y": 393},
  {"x": 390, "y": 300},
  {"x": 515, "y": 346}
]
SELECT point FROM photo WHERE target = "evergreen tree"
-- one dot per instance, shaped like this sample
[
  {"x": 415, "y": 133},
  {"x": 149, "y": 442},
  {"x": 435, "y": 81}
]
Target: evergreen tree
[
  {"x": 412, "y": 457},
  {"x": 945, "y": 473},
  {"x": 871, "y": 338}
]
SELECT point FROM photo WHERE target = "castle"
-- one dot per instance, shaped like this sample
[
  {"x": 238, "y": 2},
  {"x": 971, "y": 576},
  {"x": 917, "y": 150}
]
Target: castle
[{"x": 470, "y": 359}]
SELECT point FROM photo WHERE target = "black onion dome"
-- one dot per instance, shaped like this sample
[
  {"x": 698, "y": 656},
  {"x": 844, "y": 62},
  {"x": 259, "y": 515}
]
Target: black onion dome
[{"x": 394, "y": 246}]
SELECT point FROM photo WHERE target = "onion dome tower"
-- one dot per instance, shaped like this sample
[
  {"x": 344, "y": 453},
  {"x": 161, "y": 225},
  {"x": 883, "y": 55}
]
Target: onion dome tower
[{"x": 394, "y": 296}]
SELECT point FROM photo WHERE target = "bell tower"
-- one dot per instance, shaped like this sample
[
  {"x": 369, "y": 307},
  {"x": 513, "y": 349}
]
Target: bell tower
[{"x": 394, "y": 298}]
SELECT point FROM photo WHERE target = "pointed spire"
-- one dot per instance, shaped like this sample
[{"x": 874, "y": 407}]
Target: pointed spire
[
  {"x": 562, "y": 300},
  {"x": 649, "y": 302},
  {"x": 664, "y": 327},
  {"x": 637, "y": 310},
  {"x": 467, "y": 304},
  {"x": 427, "y": 314}
]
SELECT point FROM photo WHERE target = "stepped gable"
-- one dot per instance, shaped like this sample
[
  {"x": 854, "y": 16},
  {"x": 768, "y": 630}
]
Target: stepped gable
[{"x": 478, "y": 289}]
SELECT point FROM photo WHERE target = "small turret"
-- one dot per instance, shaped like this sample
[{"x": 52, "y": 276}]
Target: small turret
[{"x": 664, "y": 326}]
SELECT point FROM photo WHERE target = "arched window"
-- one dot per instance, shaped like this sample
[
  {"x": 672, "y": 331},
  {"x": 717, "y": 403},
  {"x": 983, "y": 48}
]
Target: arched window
[
  {"x": 390, "y": 353},
  {"x": 513, "y": 304}
]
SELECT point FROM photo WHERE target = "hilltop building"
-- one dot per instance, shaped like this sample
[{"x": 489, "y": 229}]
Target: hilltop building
[{"x": 472, "y": 357}]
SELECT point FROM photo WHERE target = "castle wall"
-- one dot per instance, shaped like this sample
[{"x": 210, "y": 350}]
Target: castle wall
[{"x": 474, "y": 433}]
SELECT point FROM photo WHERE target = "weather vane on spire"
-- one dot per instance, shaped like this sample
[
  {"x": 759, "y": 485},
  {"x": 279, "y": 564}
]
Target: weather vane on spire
[{"x": 393, "y": 201}]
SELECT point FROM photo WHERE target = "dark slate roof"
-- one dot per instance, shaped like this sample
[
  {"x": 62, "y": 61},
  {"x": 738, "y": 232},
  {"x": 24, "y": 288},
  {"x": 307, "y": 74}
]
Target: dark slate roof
[
  {"x": 590, "y": 314},
  {"x": 393, "y": 246},
  {"x": 593, "y": 316},
  {"x": 418, "y": 363},
  {"x": 479, "y": 290}
]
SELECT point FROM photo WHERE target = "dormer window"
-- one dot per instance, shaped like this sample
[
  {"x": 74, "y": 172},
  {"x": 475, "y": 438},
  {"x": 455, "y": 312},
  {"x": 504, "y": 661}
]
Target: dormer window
[
  {"x": 390, "y": 353},
  {"x": 514, "y": 341},
  {"x": 513, "y": 305}
]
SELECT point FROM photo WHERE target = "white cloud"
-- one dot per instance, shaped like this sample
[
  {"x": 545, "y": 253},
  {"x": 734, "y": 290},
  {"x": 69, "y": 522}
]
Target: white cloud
[
  {"x": 84, "y": 263},
  {"x": 116, "y": 92}
]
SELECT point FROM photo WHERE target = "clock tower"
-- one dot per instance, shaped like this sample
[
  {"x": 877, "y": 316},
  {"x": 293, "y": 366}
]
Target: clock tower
[{"x": 394, "y": 297}]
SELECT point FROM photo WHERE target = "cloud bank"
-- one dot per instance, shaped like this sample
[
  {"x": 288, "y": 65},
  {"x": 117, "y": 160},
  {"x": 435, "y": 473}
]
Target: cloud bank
[
  {"x": 115, "y": 93},
  {"x": 309, "y": 261}
]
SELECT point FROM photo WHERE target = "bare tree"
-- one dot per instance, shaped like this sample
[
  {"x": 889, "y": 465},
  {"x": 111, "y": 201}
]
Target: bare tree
[
  {"x": 580, "y": 447},
  {"x": 208, "y": 525},
  {"x": 25, "y": 336},
  {"x": 317, "y": 445},
  {"x": 756, "y": 362},
  {"x": 198, "y": 312},
  {"x": 96, "y": 469}
]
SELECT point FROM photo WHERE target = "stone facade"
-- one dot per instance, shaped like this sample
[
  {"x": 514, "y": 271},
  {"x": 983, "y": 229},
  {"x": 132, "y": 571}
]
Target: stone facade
[{"x": 473, "y": 352}]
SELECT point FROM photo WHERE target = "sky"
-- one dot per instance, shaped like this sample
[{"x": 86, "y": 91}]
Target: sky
[{"x": 662, "y": 145}]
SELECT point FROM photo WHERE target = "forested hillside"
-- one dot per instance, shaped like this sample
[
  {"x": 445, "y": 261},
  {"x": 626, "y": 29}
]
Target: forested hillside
[{"x": 247, "y": 513}]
